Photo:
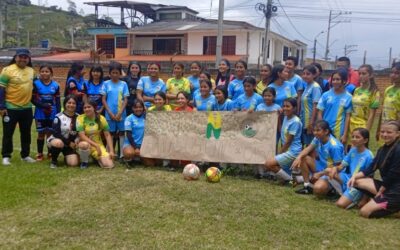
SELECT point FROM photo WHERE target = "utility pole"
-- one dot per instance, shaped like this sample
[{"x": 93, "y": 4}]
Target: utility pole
[
  {"x": 315, "y": 45},
  {"x": 365, "y": 57},
  {"x": 218, "y": 55},
  {"x": 349, "y": 48},
  {"x": 18, "y": 24},
  {"x": 390, "y": 57},
  {"x": 267, "y": 10},
  {"x": 330, "y": 26}
]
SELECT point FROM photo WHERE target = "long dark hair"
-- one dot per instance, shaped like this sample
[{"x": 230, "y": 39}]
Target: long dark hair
[
  {"x": 96, "y": 115},
  {"x": 136, "y": 101},
  {"x": 364, "y": 133},
  {"x": 276, "y": 70},
  {"x": 75, "y": 67},
  {"x": 128, "y": 73},
  {"x": 227, "y": 75},
  {"x": 324, "y": 125},
  {"x": 372, "y": 84},
  {"x": 96, "y": 68}
]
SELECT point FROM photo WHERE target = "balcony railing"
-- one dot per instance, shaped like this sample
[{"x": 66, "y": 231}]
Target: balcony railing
[{"x": 158, "y": 52}]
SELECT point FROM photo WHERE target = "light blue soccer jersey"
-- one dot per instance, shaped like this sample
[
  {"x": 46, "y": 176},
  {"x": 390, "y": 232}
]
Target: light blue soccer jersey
[
  {"x": 244, "y": 102},
  {"x": 297, "y": 82},
  {"x": 228, "y": 105},
  {"x": 235, "y": 89},
  {"x": 284, "y": 91},
  {"x": 195, "y": 83},
  {"x": 204, "y": 104},
  {"x": 334, "y": 108},
  {"x": 150, "y": 88},
  {"x": 264, "y": 107},
  {"x": 330, "y": 153},
  {"x": 115, "y": 94},
  {"x": 135, "y": 124},
  {"x": 312, "y": 94},
  {"x": 293, "y": 127}
]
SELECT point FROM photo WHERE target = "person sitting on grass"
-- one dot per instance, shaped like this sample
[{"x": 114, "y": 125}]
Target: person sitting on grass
[
  {"x": 291, "y": 142},
  {"x": 324, "y": 151},
  {"x": 90, "y": 125},
  {"x": 357, "y": 159},
  {"x": 64, "y": 138},
  {"x": 385, "y": 193}
]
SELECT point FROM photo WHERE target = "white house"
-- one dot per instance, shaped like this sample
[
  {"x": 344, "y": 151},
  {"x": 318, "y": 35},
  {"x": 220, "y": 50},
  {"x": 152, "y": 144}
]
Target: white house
[{"x": 176, "y": 31}]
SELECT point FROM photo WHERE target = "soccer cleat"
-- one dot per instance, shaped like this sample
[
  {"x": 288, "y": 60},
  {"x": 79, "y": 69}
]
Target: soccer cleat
[
  {"x": 39, "y": 157},
  {"x": 304, "y": 190},
  {"x": 53, "y": 165},
  {"x": 28, "y": 159},
  {"x": 84, "y": 165},
  {"x": 6, "y": 161}
]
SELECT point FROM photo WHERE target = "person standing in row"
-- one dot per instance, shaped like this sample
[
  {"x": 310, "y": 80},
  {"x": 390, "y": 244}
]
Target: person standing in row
[
  {"x": 16, "y": 85},
  {"x": 132, "y": 79}
]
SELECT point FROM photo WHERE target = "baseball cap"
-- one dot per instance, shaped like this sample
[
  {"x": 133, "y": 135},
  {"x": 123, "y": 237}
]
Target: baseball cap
[{"x": 22, "y": 51}]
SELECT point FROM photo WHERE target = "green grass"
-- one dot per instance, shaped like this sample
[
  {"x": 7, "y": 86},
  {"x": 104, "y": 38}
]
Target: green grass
[{"x": 146, "y": 208}]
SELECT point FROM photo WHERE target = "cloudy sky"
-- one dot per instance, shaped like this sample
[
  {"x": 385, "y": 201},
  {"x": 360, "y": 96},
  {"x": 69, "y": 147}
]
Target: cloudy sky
[{"x": 370, "y": 25}]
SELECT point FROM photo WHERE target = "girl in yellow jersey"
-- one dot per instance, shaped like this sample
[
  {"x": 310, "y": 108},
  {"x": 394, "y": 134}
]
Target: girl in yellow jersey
[
  {"x": 176, "y": 84},
  {"x": 89, "y": 126},
  {"x": 365, "y": 100},
  {"x": 265, "y": 75},
  {"x": 391, "y": 99}
]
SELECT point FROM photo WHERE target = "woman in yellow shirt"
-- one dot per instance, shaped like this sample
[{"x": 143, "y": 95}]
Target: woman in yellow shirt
[
  {"x": 265, "y": 75},
  {"x": 176, "y": 84}
]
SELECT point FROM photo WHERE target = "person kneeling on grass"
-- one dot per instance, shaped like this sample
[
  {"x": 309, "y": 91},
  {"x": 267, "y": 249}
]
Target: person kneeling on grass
[
  {"x": 89, "y": 126},
  {"x": 328, "y": 150},
  {"x": 64, "y": 138},
  {"x": 358, "y": 159},
  {"x": 291, "y": 140},
  {"x": 385, "y": 194}
]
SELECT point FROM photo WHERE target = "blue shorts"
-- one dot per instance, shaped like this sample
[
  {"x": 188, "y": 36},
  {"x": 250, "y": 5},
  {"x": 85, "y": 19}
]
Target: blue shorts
[
  {"x": 127, "y": 144},
  {"x": 306, "y": 138},
  {"x": 285, "y": 160},
  {"x": 353, "y": 194},
  {"x": 116, "y": 126},
  {"x": 44, "y": 125}
]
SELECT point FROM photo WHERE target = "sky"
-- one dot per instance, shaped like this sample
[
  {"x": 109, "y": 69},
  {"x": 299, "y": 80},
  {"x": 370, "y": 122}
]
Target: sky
[{"x": 365, "y": 25}]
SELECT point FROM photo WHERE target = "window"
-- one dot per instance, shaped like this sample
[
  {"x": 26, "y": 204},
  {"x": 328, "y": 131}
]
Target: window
[
  {"x": 121, "y": 42},
  {"x": 171, "y": 16},
  {"x": 285, "y": 52},
  {"x": 166, "y": 46},
  {"x": 210, "y": 45}
]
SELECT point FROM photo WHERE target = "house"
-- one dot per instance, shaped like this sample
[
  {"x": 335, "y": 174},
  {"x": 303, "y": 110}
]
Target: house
[{"x": 168, "y": 32}]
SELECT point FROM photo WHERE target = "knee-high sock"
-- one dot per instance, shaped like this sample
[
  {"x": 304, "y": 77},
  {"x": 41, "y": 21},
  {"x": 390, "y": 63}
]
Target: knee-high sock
[
  {"x": 84, "y": 155},
  {"x": 40, "y": 145},
  {"x": 121, "y": 145},
  {"x": 54, "y": 154},
  {"x": 283, "y": 175}
]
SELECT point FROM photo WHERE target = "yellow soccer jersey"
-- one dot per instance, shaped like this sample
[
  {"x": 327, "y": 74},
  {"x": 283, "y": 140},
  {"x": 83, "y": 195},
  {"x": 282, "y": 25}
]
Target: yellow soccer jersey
[
  {"x": 19, "y": 85},
  {"x": 363, "y": 100},
  {"x": 260, "y": 87},
  {"x": 175, "y": 85},
  {"x": 391, "y": 104},
  {"x": 91, "y": 128},
  {"x": 164, "y": 108}
]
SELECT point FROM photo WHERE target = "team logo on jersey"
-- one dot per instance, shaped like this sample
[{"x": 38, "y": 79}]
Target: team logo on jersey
[{"x": 342, "y": 102}]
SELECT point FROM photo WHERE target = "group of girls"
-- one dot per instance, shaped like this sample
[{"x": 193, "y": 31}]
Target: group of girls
[{"x": 314, "y": 124}]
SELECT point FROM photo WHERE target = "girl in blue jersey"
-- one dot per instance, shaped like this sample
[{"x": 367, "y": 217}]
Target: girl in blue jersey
[
  {"x": 132, "y": 79},
  {"x": 93, "y": 87},
  {"x": 235, "y": 87},
  {"x": 358, "y": 159},
  {"x": 75, "y": 84},
  {"x": 249, "y": 100},
  {"x": 335, "y": 106},
  {"x": 269, "y": 104},
  {"x": 323, "y": 83},
  {"x": 223, "y": 103},
  {"x": 279, "y": 82},
  {"x": 195, "y": 70},
  {"x": 134, "y": 130},
  {"x": 328, "y": 153},
  {"x": 115, "y": 98},
  {"x": 46, "y": 98},
  {"x": 309, "y": 100},
  {"x": 224, "y": 76},
  {"x": 205, "y": 101},
  {"x": 148, "y": 86},
  {"x": 291, "y": 142},
  {"x": 291, "y": 63}
]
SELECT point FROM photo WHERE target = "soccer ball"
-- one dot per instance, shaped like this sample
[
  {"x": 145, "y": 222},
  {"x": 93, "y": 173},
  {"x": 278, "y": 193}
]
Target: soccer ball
[
  {"x": 213, "y": 174},
  {"x": 191, "y": 172}
]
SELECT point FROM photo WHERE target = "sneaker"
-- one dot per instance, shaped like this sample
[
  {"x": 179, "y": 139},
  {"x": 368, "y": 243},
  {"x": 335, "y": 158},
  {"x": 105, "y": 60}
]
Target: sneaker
[
  {"x": 39, "y": 157},
  {"x": 6, "y": 161},
  {"x": 84, "y": 165},
  {"x": 53, "y": 165},
  {"x": 304, "y": 190},
  {"x": 28, "y": 159}
]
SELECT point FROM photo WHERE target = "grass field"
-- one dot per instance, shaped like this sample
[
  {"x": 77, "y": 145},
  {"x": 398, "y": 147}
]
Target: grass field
[{"x": 147, "y": 208}]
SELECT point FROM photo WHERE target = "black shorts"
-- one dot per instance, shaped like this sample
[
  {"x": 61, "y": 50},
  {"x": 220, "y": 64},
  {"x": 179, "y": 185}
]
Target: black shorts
[
  {"x": 44, "y": 125},
  {"x": 68, "y": 151},
  {"x": 389, "y": 200}
]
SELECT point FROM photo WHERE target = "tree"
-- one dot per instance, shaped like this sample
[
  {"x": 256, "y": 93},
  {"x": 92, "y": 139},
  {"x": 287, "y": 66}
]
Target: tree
[
  {"x": 72, "y": 6},
  {"x": 82, "y": 12}
]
